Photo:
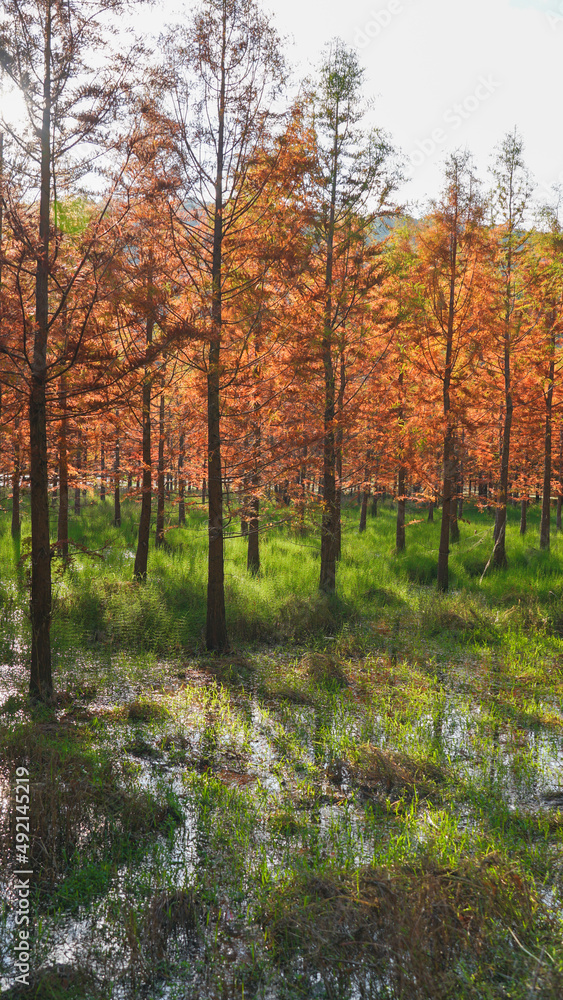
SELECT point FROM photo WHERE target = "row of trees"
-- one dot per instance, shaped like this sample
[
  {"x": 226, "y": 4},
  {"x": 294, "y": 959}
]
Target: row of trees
[{"x": 183, "y": 249}]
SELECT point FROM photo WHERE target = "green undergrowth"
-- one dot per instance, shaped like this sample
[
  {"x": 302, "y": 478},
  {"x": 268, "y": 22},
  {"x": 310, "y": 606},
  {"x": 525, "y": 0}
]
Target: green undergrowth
[{"x": 363, "y": 799}]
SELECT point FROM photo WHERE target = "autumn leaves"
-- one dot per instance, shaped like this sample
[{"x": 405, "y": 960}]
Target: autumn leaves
[{"x": 242, "y": 271}]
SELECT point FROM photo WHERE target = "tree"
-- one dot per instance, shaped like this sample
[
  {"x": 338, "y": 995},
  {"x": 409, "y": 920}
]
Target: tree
[
  {"x": 445, "y": 267},
  {"x": 220, "y": 79},
  {"x": 353, "y": 184},
  {"x": 45, "y": 48},
  {"x": 546, "y": 294},
  {"x": 510, "y": 200}
]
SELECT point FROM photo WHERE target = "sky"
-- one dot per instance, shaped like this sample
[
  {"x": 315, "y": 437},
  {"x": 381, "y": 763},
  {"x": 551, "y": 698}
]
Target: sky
[
  {"x": 442, "y": 75},
  {"x": 447, "y": 74}
]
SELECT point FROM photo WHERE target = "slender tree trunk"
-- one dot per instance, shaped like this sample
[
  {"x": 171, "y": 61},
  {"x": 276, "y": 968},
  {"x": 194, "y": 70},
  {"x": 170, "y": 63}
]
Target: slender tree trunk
[
  {"x": 244, "y": 500},
  {"x": 84, "y": 466},
  {"x": 448, "y": 454},
  {"x": 402, "y": 472},
  {"x": 327, "y": 581},
  {"x": 41, "y": 682},
  {"x": 460, "y": 480},
  {"x": 216, "y": 630},
  {"x": 181, "y": 481},
  {"x": 447, "y": 490},
  {"x": 431, "y": 506},
  {"x": 546, "y": 495},
  {"x": 401, "y": 503},
  {"x": 216, "y": 625},
  {"x": 78, "y": 465},
  {"x": 253, "y": 557},
  {"x": 16, "y": 475},
  {"x": 499, "y": 537},
  {"x": 560, "y": 482},
  {"x": 339, "y": 441},
  {"x": 102, "y": 473},
  {"x": 160, "y": 478},
  {"x": 364, "y": 510},
  {"x": 499, "y": 551},
  {"x": 365, "y": 493},
  {"x": 142, "y": 554},
  {"x": 454, "y": 524},
  {"x": 523, "y": 515},
  {"x": 302, "y": 481},
  {"x": 169, "y": 450},
  {"x": 116, "y": 486},
  {"x": 338, "y": 497},
  {"x": 62, "y": 527}
]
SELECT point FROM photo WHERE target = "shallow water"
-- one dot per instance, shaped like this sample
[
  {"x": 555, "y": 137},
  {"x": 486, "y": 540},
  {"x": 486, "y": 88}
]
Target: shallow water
[{"x": 252, "y": 756}]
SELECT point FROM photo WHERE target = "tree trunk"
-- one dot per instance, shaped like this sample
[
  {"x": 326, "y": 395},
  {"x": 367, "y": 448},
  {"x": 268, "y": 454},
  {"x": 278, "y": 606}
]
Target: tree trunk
[
  {"x": 16, "y": 474},
  {"x": 454, "y": 524},
  {"x": 62, "y": 526},
  {"x": 142, "y": 554},
  {"x": 253, "y": 557},
  {"x": 447, "y": 489},
  {"x": 102, "y": 473},
  {"x": 401, "y": 502},
  {"x": 364, "y": 510},
  {"x": 253, "y": 560},
  {"x": 448, "y": 453},
  {"x": 560, "y": 482},
  {"x": 302, "y": 483},
  {"x": 460, "y": 481},
  {"x": 41, "y": 682},
  {"x": 160, "y": 478},
  {"x": 244, "y": 500},
  {"x": 365, "y": 493},
  {"x": 327, "y": 581},
  {"x": 216, "y": 628},
  {"x": 216, "y": 624},
  {"x": 116, "y": 489},
  {"x": 338, "y": 498},
  {"x": 181, "y": 481},
  {"x": 339, "y": 441},
  {"x": 84, "y": 465},
  {"x": 78, "y": 466},
  {"x": 546, "y": 495},
  {"x": 499, "y": 537},
  {"x": 523, "y": 515}
]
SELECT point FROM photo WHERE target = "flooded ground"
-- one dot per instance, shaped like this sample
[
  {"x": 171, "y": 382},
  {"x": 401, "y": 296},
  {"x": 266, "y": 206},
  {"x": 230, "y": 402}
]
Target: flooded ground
[{"x": 256, "y": 792}]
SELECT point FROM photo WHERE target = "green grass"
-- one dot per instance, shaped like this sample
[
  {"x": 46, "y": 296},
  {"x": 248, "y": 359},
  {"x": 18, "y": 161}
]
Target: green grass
[{"x": 363, "y": 799}]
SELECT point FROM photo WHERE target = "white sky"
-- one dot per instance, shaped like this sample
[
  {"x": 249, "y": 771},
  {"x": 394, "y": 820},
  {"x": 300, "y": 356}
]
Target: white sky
[
  {"x": 444, "y": 74},
  {"x": 426, "y": 56}
]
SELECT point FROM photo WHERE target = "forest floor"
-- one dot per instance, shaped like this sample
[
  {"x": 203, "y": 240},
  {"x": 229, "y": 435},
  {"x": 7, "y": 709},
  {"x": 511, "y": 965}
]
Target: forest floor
[{"x": 363, "y": 800}]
